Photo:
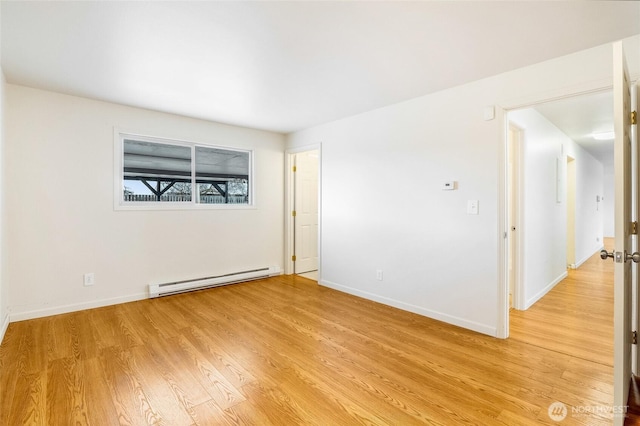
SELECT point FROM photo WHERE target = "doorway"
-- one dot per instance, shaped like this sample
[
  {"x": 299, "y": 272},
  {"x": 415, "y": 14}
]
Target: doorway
[
  {"x": 303, "y": 202},
  {"x": 555, "y": 220},
  {"x": 559, "y": 189}
]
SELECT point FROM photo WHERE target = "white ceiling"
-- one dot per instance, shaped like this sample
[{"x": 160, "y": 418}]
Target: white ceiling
[
  {"x": 285, "y": 66},
  {"x": 580, "y": 117}
]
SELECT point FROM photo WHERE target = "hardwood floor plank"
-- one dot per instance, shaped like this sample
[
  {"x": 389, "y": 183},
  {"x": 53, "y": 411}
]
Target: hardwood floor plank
[
  {"x": 85, "y": 342},
  {"x": 101, "y": 411},
  {"x": 276, "y": 405},
  {"x": 150, "y": 323},
  {"x": 209, "y": 413},
  {"x": 9, "y": 372},
  {"x": 29, "y": 400},
  {"x": 36, "y": 342},
  {"x": 59, "y": 336},
  {"x": 66, "y": 402},
  {"x": 237, "y": 375},
  {"x": 244, "y": 414},
  {"x": 188, "y": 389},
  {"x": 516, "y": 419},
  {"x": 129, "y": 398},
  {"x": 222, "y": 392},
  {"x": 170, "y": 402},
  {"x": 110, "y": 332}
]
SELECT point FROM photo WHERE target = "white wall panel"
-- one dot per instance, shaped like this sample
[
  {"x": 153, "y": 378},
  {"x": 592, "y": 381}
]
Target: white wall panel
[
  {"x": 608, "y": 200},
  {"x": 62, "y": 222},
  {"x": 382, "y": 203}
]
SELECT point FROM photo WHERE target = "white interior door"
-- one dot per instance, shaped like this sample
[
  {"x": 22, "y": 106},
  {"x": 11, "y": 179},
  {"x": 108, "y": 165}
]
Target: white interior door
[
  {"x": 635, "y": 297},
  {"x": 623, "y": 235},
  {"x": 306, "y": 208}
]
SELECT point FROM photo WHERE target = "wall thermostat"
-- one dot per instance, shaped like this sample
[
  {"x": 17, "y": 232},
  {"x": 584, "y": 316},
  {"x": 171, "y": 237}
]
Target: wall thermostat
[{"x": 450, "y": 185}]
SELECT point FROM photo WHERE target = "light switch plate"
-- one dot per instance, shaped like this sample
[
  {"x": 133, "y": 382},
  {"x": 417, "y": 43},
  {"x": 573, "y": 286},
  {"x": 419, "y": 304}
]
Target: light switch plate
[
  {"x": 489, "y": 113},
  {"x": 472, "y": 206}
]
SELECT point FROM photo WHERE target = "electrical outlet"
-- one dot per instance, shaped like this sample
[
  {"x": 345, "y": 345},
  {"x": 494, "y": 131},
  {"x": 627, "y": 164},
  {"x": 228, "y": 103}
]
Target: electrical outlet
[
  {"x": 89, "y": 279},
  {"x": 379, "y": 274}
]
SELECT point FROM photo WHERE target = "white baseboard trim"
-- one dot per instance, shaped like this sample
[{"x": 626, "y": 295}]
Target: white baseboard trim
[
  {"x": 3, "y": 327},
  {"x": 584, "y": 259},
  {"x": 64, "y": 309},
  {"x": 460, "y": 322},
  {"x": 15, "y": 315},
  {"x": 529, "y": 303}
]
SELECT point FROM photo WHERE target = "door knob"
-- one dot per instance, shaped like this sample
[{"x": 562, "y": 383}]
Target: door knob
[
  {"x": 618, "y": 256},
  {"x": 605, "y": 254},
  {"x": 635, "y": 256}
]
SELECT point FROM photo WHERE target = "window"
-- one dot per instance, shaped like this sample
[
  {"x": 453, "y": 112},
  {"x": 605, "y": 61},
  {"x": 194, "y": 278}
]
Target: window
[{"x": 157, "y": 172}]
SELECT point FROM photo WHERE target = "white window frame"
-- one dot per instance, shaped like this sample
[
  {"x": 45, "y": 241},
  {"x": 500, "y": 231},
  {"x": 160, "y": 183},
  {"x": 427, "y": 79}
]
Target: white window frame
[{"x": 118, "y": 193}]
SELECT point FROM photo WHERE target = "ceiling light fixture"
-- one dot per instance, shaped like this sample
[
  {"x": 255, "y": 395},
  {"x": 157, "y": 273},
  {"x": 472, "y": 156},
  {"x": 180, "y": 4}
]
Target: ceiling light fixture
[{"x": 603, "y": 136}]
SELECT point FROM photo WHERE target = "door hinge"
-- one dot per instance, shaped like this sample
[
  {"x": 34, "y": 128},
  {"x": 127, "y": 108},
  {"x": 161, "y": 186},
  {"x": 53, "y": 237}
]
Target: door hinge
[
  {"x": 633, "y": 229},
  {"x": 634, "y": 117},
  {"x": 634, "y": 337},
  {"x": 293, "y": 213},
  {"x": 293, "y": 258},
  {"x": 295, "y": 169}
]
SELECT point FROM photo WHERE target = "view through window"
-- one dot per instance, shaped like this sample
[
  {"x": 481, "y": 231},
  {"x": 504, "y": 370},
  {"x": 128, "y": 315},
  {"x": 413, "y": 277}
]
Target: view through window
[{"x": 176, "y": 172}]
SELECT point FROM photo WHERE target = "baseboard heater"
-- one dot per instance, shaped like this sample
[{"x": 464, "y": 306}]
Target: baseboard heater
[{"x": 165, "y": 289}]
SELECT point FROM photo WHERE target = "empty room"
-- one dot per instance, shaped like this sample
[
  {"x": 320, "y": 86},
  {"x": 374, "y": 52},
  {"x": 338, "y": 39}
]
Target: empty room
[{"x": 318, "y": 212}]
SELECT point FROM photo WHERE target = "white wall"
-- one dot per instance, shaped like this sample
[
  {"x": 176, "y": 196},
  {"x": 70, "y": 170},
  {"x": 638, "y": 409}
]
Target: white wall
[
  {"x": 382, "y": 203},
  {"x": 589, "y": 221},
  {"x": 4, "y": 309},
  {"x": 62, "y": 223},
  {"x": 609, "y": 198},
  {"x": 543, "y": 225}
]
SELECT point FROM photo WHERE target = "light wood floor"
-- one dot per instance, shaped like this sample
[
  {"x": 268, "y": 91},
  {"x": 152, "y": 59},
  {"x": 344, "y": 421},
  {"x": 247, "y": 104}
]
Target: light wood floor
[
  {"x": 576, "y": 317},
  {"x": 286, "y": 351}
]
